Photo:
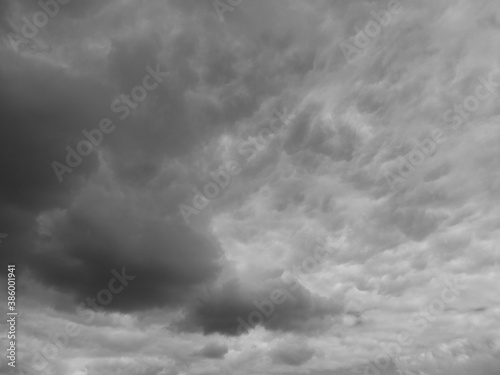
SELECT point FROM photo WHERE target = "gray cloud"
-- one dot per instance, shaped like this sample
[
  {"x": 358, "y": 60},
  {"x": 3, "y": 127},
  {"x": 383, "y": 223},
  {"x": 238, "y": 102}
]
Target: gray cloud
[
  {"x": 224, "y": 310},
  {"x": 213, "y": 350},
  {"x": 322, "y": 174},
  {"x": 292, "y": 354}
]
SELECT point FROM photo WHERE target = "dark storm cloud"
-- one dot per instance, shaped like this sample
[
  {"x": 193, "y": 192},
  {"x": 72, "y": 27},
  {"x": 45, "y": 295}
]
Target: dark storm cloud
[
  {"x": 175, "y": 121},
  {"x": 99, "y": 234},
  {"x": 118, "y": 210},
  {"x": 44, "y": 110},
  {"x": 223, "y": 310}
]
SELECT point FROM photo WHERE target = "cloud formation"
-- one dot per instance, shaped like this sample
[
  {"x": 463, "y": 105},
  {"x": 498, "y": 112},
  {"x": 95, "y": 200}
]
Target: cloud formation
[{"x": 237, "y": 288}]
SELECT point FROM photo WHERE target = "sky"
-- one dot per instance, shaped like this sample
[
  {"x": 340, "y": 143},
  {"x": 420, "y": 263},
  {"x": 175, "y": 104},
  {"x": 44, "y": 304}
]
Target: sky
[{"x": 251, "y": 186}]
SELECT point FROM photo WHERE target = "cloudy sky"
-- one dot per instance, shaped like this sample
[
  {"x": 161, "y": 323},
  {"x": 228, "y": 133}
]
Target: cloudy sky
[{"x": 273, "y": 186}]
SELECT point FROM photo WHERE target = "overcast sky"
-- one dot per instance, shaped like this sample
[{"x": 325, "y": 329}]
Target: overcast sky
[{"x": 274, "y": 186}]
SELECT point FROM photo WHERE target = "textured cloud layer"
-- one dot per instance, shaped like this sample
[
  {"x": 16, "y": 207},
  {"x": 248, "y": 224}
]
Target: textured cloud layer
[{"x": 386, "y": 158}]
